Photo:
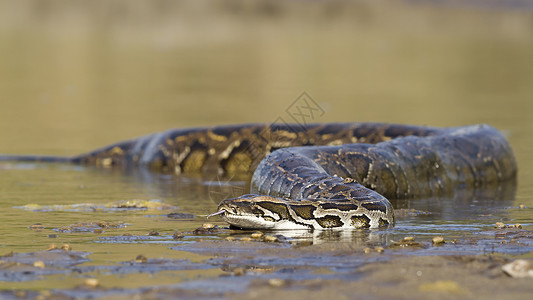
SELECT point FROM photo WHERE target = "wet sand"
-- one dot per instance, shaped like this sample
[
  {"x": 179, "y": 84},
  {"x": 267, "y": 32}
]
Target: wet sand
[{"x": 257, "y": 266}]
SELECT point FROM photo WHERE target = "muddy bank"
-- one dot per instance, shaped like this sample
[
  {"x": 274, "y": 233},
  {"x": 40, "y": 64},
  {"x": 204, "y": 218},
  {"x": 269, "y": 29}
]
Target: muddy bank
[
  {"x": 415, "y": 260},
  {"x": 425, "y": 277},
  {"x": 237, "y": 265}
]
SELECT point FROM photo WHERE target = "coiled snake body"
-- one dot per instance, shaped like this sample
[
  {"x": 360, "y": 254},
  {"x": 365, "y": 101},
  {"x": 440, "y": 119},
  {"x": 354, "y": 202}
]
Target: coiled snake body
[{"x": 326, "y": 175}]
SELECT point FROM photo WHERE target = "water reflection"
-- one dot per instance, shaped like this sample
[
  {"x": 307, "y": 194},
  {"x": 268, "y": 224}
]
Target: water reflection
[
  {"x": 464, "y": 204},
  {"x": 357, "y": 238}
]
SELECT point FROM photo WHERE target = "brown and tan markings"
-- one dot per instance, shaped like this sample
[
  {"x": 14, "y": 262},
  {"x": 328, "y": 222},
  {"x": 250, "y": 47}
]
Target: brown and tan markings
[{"x": 336, "y": 175}]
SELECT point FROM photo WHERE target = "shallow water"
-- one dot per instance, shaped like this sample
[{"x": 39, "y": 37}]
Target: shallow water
[{"x": 79, "y": 76}]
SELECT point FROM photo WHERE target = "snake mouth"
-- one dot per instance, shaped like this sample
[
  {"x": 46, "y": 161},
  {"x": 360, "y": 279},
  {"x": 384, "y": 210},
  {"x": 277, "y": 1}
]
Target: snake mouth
[
  {"x": 226, "y": 208},
  {"x": 243, "y": 213},
  {"x": 235, "y": 207}
]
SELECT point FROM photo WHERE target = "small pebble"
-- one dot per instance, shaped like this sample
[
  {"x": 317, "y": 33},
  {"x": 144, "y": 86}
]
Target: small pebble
[
  {"x": 519, "y": 268},
  {"x": 53, "y": 236},
  {"x": 36, "y": 226},
  {"x": 98, "y": 230},
  {"x": 92, "y": 282},
  {"x": 246, "y": 239},
  {"x": 276, "y": 282},
  {"x": 208, "y": 226},
  {"x": 177, "y": 235},
  {"x": 39, "y": 264},
  {"x": 256, "y": 235},
  {"x": 379, "y": 249},
  {"x": 367, "y": 250},
  {"x": 140, "y": 259},
  {"x": 438, "y": 240},
  {"x": 51, "y": 247},
  {"x": 230, "y": 238},
  {"x": 153, "y": 233},
  {"x": 409, "y": 238},
  {"x": 66, "y": 247},
  {"x": 521, "y": 206},
  {"x": 270, "y": 239},
  {"x": 103, "y": 224},
  {"x": 499, "y": 225}
]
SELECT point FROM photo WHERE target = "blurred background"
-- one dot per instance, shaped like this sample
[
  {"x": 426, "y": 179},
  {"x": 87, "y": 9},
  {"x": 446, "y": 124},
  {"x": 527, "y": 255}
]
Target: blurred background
[{"x": 75, "y": 75}]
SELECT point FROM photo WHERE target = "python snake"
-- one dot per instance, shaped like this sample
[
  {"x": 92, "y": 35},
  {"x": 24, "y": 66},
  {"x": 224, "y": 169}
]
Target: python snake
[{"x": 336, "y": 175}]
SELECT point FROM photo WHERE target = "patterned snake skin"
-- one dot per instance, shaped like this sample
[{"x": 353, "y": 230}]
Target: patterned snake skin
[{"x": 342, "y": 181}]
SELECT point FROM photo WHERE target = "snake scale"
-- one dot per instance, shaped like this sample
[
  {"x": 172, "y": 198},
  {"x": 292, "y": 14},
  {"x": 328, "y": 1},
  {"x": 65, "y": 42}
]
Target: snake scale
[{"x": 336, "y": 175}]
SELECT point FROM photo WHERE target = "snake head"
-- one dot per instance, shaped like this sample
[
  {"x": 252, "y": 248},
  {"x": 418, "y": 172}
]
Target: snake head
[
  {"x": 254, "y": 212},
  {"x": 267, "y": 212}
]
